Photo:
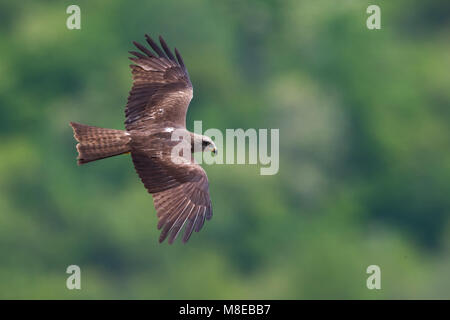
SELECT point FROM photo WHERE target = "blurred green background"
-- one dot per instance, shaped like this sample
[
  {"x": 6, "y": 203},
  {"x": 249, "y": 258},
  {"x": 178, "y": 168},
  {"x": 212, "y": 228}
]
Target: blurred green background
[{"x": 364, "y": 150}]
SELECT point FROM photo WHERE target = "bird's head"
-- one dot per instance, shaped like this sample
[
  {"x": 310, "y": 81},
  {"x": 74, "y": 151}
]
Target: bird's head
[
  {"x": 203, "y": 143},
  {"x": 208, "y": 145}
]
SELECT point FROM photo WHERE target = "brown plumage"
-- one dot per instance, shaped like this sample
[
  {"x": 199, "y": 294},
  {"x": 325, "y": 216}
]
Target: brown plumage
[
  {"x": 97, "y": 143},
  {"x": 157, "y": 105}
]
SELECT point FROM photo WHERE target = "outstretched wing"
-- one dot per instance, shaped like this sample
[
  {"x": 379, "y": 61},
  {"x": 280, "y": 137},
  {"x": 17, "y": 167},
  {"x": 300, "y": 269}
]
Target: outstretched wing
[
  {"x": 161, "y": 89},
  {"x": 180, "y": 190},
  {"x": 188, "y": 204}
]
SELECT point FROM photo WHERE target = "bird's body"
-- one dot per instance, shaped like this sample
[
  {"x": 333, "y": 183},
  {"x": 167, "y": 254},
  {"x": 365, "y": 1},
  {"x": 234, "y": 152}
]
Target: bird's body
[{"x": 156, "y": 108}]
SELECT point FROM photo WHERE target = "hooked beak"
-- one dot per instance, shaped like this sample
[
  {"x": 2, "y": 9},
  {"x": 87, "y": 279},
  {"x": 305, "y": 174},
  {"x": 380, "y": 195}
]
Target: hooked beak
[{"x": 214, "y": 151}]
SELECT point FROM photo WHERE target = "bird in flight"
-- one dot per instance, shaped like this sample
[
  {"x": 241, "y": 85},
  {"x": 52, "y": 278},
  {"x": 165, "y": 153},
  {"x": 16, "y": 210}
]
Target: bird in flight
[{"x": 157, "y": 105}]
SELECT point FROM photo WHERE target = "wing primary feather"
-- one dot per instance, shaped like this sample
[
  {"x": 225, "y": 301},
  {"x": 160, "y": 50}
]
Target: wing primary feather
[
  {"x": 169, "y": 219},
  {"x": 170, "y": 213},
  {"x": 166, "y": 49},
  {"x": 169, "y": 227},
  {"x": 143, "y": 49},
  {"x": 167, "y": 209},
  {"x": 209, "y": 213},
  {"x": 165, "y": 201},
  {"x": 200, "y": 222},
  {"x": 177, "y": 212},
  {"x": 135, "y": 60},
  {"x": 137, "y": 54},
  {"x": 180, "y": 59},
  {"x": 190, "y": 226},
  {"x": 155, "y": 46},
  {"x": 178, "y": 226},
  {"x": 196, "y": 193}
]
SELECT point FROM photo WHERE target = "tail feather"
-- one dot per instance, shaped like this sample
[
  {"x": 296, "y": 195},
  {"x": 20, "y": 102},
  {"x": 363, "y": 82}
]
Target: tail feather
[{"x": 98, "y": 143}]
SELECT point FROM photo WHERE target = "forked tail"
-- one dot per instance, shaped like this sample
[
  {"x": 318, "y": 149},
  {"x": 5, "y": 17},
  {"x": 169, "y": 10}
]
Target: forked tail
[{"x": 98, "y": 143}]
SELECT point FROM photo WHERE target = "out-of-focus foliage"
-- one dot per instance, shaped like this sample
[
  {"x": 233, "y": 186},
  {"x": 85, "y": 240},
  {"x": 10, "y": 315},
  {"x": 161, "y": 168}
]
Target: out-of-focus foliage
[{"x": 364, "y": 150}]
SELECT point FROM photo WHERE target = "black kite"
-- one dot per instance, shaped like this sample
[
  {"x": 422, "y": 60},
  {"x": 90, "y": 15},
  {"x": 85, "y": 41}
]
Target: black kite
[{"x": 157, "y": 105}]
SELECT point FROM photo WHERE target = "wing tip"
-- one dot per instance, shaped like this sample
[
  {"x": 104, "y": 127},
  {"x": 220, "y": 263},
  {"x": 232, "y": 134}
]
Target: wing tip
[
  {"x": 165, "y": 53},
  {"x": 154, "y": 46},
  {"x": 137, "y": 54},
  {"x": 179, "y": 58},
  {"x": 166, "y": 48},
  {"x": 143, "y": 49}
]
